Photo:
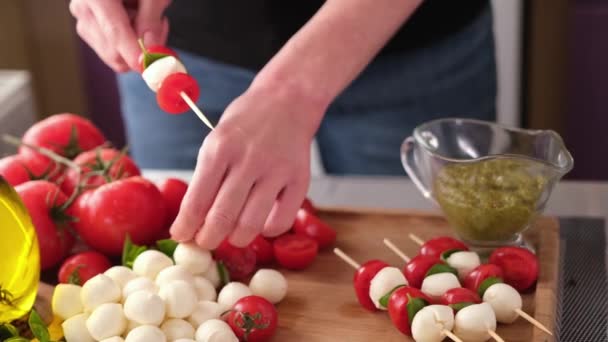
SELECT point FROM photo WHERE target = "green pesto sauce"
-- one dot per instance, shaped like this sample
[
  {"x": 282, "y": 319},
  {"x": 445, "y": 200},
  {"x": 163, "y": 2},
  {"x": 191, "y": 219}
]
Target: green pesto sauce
[{"x": 491, "y": 200}]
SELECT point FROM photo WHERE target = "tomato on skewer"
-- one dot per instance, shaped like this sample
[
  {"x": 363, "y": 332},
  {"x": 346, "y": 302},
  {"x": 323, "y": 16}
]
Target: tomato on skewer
[
  {"x": 459, "y": 297},
  {"x": 362, "y": 280},
  {"x": 417, "y": 268},
  {"x": 483, "y": 277},
  {"x": 403, "y": 305},
  {"x": 437, "y": 246},
  {"x": 169, "y": 96}
]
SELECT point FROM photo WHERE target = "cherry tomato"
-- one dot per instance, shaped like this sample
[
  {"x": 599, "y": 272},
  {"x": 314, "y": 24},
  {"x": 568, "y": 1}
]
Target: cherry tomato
[
  {"x": 435, "y": 247},
  {"x": 310, "y": 225},
  {"x": 415, "y": 270},
  {"x": 253, "y": 319},
  {"x": 459, "y": 297},
  {"x": 519, "y": 266},
  {"x": 309, "y": 206},
  {"x": 401, "y": 303},
  {"x": 173, "y": 190},
  {"x": 41, "y": 167},
  {"x": 66, "y": 134},
  {"x": 13, "y": 170},
  {"x": 44, "y": 201},
  {"x": 240, "y": 262},
  {"x": 132, "y": 206},
  {"x": 79, "y": 268},
  {"x": 155, "y": 49},
  {"x": 168, "y": 95},
  {"x": 263, "y": 250},
  {"x": 478, "y": 275},
  {"x": 362, "y": 280},
  {"x": 295, "y": 252}
]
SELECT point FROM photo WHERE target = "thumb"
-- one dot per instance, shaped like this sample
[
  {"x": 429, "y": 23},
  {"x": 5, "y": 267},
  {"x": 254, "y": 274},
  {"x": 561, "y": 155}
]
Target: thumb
[{"x": 149, "y": 21}]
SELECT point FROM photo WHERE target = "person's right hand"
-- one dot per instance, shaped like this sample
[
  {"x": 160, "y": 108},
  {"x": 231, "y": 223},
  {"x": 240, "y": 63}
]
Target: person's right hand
[{"x": 112, "y": 30}]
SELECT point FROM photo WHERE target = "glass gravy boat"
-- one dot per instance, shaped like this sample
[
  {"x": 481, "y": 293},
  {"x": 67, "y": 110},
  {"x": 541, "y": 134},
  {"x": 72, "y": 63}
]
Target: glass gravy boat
[{"x": 490, "y": 181}]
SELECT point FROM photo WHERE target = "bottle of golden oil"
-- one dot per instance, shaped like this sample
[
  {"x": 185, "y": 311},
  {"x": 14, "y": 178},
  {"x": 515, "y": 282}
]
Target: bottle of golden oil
[{"x": 19, "y": 256}]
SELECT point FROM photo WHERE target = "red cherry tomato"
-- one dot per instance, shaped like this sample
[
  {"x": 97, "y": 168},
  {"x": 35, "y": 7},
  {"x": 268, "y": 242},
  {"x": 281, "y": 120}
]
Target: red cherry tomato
[
  {"x": 295, "y": 252},
  {"x": 240, "y": 262},
  {"x": 168, "y": 95},
  {"x": 415, "y": 270},
  {"x": 362, "y": 280},
  {"x": 161, "y": 49},
  {"x": 308, "y": 224},
  {"x": 79, "y": 268},
  {"x": 436, "y": 247},
  {"x": 309, "y": 206},
  {"x": 478, "y": 275},
  {"x": 519, "y": 266},
  {"x": 401, "y": 303},
  {"x": 173, "y": 191},
  {"x": 18, "y": 169},
  {"x": 263, "y": 250},
  {"x": 458, "y": 297},
  {"x": 13, "y": 170},
  {"x": 253, "y": 319}
]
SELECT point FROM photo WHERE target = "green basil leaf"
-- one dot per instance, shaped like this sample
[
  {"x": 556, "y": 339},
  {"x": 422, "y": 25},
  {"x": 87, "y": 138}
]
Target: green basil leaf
[
  {"x": 8, "y": 330},
  {"x": 384, "y": 300},
  {"x": 486, "y": 284},
  {"x": 458, "y": 306},
  {"x": 130, "y": 252},
  {"x": 445, "y": 255},
  {"x": 38, "y": 327},
  {"x": 413, "y": 306},
  {"x": 150, "y": 58},
  {"x": 17, "y": 339},
  {"x": 167, "y": 246},
  {"x": 441, "y": 268},
  {"x": 223, "y": 272}
]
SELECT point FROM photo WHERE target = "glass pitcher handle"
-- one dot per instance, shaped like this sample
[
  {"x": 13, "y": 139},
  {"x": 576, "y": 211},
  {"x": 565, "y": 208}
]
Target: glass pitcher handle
[{"x": 408, "y": 149}]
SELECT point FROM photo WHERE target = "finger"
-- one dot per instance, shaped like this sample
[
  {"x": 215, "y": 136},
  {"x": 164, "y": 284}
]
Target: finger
[
  {"x": 226, "y": 208},
  {"x": 256, "y": 210},
  {"x": 284, "y": 211},
  {"x": 149, "y": 21},
  {"x": 165, "y": 32}
]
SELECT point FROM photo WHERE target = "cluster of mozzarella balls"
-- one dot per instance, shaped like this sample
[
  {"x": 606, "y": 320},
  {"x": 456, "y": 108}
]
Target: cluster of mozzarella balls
[{"x": 159, "y": 300}]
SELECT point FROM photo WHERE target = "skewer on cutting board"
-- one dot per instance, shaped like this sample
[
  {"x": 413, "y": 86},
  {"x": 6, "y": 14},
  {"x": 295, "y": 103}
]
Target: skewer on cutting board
[
  {"x": 347, "y": 259},
  {"x": 452, "y": 336},
  {"x": 396, "y": 250},
  {"x": 416, "y": 239},
  {"x": 533, "y": 321},
  {"x": 495, "y": 336}
]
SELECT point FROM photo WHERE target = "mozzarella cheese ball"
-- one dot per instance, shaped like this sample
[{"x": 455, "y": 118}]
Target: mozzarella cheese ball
[
  {"x": 204, "y": 311},
  {"x": 464, "y": 262},
  {"x": 145, "y": 307},
  {"x": 384, "y": 282},
  {"x": 180, "y": 298},
  {"x": 177, "y": 328},
  {"x": 231, "y": 293},
  {"x": 99, "y": 290},
  {"x": 137, "y": 284},
  {"x": 107, "y": 320},
  {"x": 121, "y": 275},
  {"x": 437, "y": 284},
  {"x": 146, "y": 333},
  {"x": 504, "y": 300},
  {"x": 155, "y": 73},
  {"x": 472, "y": 323},
  {"x": 132, "y": 325},
  {"x": 270, "y": 284},
  {"x": 430, "y": 323},
  {"x": 191, "y": 256},
  {"x": 204, "y": 289},
  {"x": 150, "y": 263},
  {"x": 172, "y": 273},
  {"x": 66, "y": 301},
  {"x": 215, "y": 330},
  {"x": 213, "y": 275},
  {"x": 114, "y": 339},
  {"x": 75, "y": 329}
]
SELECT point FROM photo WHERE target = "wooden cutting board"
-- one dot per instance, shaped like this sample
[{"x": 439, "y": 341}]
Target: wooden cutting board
[{"x": 321, "y": 304}]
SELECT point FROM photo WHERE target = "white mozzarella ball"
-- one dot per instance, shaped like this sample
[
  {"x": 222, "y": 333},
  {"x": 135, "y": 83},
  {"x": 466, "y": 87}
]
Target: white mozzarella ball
[
  {"x": 231, "y": 293},
  {"x": 215, "y": 330},
  {"x": 66, "y": 301},
  {"x": 106, "y": 321},
  {"x": 145, "y": 307},
  {"x": 146, "y": 333},
  {"x": 464, "y": 262},
  {"x": 121, "y": 275},
  {"x": 384, "y": 282},
  {"x": 204, "y": 289},
  {"x": 180, "y": 298},
  {"x": 191, "y": 256},
  {"x": 172, "y": 273},
  {"x": 213, "y": 275},
  {"x": 504, "y": 300},
  {"x": 177, "y": 328},
  {"x": 437, "y": 284},
  {"x": 155, "y": 73},
  {"x": 270, "y": 284},
  {"x": 430, "y": 323},
  {"x": 150, "y": 263},
  {"x": 114, "y": 339},
  {"x": 75, "y": 329},
  {"x": 204, "y": 311},
  {"x": 138, "y": 284},
  {"x": 99, "y": 290},
  {"x": 473, "y": 322},
  {"x": 132, "y": 325}
]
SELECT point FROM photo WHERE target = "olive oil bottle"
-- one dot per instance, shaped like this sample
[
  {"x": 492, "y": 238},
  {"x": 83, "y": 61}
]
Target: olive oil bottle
[{"x": 19, "y": 256}]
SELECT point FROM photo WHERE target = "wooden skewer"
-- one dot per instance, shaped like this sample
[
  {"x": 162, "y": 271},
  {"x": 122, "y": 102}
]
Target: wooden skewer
[
  {"x": 346, "y": 258},
  {"x": 416, "y": 239},
  {"x": 396, "y": 250},
  {"x": 495, "y": 336},
  {"x": 452, "y": 336},
  {"x": 196, "y": 110},
  {"x": 532, "y": 320}
]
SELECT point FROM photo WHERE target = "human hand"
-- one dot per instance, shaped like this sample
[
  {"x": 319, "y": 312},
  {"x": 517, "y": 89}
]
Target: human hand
[
  {"x": 252, "y": 172},
  {"x": 112, "y": 31}
]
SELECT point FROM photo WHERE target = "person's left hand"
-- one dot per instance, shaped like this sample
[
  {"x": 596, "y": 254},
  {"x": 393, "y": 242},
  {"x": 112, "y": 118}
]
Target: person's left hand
[{"x": 252, "y": 172}]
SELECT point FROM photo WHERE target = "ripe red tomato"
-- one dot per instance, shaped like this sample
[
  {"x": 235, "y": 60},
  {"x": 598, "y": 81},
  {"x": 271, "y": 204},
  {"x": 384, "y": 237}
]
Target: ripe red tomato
[
  {"x": 478, "y": 275},
  {"x": 263, "y": 250},
  {"x": 362, "y": 280},
  {"x": 173, "y": 190},
  {"x": 110, "y": 163},
  {"x": 459, "y": 297},
  {"x": 132, "y": 206},
  {"x": 519, "y": 266},
  {"x": 403, "y": 305},
  {"x": 66, "y": 134},
  {"x": 435, "y": 247},
  {"x": 168, "y": 94},
  {"x": 253, "y": 319},
  {"x": 18, "y": 169},
  {"x": 44, "y": 201},
  {"x": 240, "y": 262},
  {"x": 309, "y": 206},
  {"x": 13, "y": 170},
  {"x": 415, "y": 270},
  {"x": 79, "y": 268},
  {"x": 161, "y": 49},
  {"x": 295, "y": 252},
  {"x": 310, "y": 225}
]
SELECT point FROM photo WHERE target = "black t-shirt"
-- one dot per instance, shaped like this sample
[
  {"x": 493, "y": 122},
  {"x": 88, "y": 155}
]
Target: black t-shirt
[{"x": 249, "y": 32}]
